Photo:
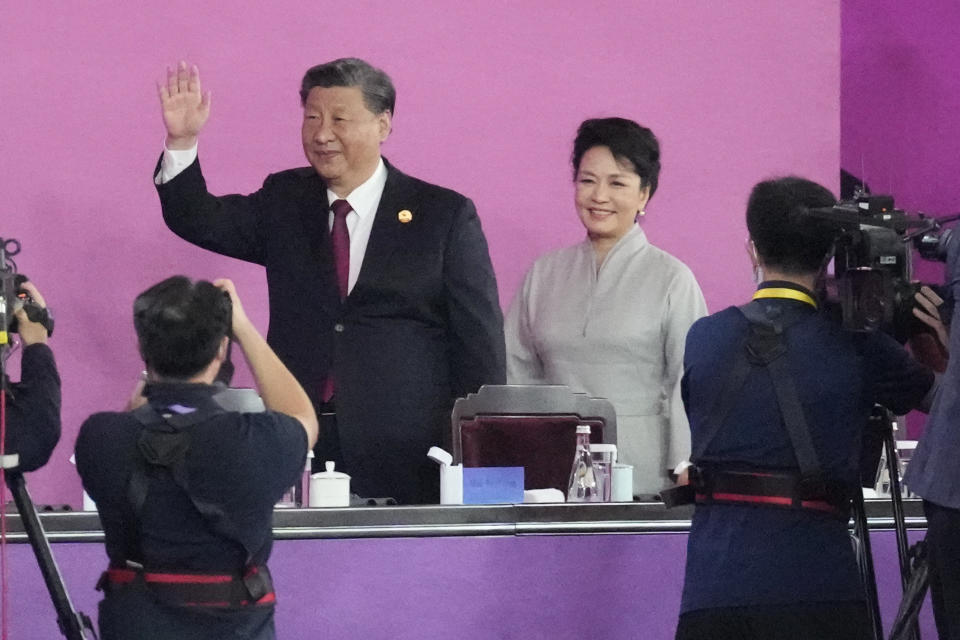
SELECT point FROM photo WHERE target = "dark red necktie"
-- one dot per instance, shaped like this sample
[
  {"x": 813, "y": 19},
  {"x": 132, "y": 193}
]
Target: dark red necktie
[{"x": 340, "y": 238}]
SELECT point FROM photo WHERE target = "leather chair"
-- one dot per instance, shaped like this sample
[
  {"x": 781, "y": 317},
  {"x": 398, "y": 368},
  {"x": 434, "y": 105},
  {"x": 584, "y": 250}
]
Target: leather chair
[{"x": 529, "y": 426}]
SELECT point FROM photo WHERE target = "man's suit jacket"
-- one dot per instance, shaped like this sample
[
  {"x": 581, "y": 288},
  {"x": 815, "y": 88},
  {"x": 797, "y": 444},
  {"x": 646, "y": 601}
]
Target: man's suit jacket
[
  {"x": 421, "y": 327},
  {"x": 933, "y": 473}
]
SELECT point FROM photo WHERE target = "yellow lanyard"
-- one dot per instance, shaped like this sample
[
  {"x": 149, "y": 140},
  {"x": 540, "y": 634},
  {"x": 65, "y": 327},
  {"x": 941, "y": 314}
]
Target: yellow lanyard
[{"x": 783, "y": 292}]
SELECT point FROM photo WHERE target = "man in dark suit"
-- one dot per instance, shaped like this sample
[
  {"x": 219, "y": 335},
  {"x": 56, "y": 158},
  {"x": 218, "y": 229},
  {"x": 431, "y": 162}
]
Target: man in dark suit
[
  {"x": 383, "y": 301},
  {"x": 933, "y": 473}
]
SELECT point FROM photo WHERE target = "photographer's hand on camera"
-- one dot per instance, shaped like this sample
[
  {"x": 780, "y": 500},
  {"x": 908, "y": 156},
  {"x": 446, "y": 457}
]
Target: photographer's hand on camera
[
  {"x": 239, "y": 322},
  {"x": 930, "y": 347},
  {"x": 278, "y": 388},
  {"x": 31, "y": 332},
  {"x": 928, "y": 312}
]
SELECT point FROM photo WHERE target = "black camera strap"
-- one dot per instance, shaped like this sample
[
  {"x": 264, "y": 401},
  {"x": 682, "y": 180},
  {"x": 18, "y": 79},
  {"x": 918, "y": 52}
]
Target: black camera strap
[
  {"x": 764, "y": 346},
  {"x": 164, "y": 442}
]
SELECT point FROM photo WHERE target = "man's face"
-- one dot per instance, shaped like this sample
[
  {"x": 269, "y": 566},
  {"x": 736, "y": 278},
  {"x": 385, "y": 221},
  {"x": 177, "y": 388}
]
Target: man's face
[{"x": 341, "y": 137}]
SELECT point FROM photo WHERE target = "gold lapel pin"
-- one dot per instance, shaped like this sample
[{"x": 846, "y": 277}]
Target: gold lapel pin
[{"x": 405, "y": 216}]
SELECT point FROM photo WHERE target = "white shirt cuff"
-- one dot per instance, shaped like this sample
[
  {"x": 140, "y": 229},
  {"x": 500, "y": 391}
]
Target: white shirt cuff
[
  {"x": 173, "y": 163},
  {"x": 681, "y": 467}
]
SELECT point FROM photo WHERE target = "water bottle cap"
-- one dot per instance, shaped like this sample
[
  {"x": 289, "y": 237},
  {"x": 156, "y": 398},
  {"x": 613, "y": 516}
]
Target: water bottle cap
[{"x": 583, "y": 428}]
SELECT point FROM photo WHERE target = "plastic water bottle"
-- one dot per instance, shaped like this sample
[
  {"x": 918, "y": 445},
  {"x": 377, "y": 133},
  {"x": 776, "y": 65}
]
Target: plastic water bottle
[
  {"x": 583, "y": 486},
  {"x": 302, "y": 491}
]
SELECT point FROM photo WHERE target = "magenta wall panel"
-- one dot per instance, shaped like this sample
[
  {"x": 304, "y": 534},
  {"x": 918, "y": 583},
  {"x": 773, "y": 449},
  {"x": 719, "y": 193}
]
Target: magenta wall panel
[{"x": 489, "y": 96}]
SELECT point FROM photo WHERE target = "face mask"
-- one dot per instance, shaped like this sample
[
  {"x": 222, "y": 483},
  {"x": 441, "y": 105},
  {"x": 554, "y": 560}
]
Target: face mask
[{"x": 757, "y": 269}]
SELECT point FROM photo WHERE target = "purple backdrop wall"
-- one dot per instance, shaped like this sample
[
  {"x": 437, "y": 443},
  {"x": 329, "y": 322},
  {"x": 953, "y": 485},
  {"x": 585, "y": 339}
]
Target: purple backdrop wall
[
  {"x": 900, "y": 96},
  {"x": 490, "y": 94}
]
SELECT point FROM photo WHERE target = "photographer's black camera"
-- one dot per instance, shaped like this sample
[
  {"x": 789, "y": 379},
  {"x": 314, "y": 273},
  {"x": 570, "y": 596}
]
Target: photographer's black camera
[
  {"x": 14, "y": 297},
  {"x": 873, "y": 262}
]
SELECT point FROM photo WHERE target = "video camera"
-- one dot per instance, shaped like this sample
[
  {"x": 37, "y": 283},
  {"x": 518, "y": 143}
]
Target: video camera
[
  {"x": 14, "y": 297},
  {"x": 872, "y": 261}
]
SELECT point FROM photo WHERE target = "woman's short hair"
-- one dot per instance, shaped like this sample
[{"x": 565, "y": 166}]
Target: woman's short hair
[
  {"x": 627, "y": 141},
  {"x": 377, "y": 88},
  {"x": 180, "y": 325},
  {"x": 785, "y": 236}
]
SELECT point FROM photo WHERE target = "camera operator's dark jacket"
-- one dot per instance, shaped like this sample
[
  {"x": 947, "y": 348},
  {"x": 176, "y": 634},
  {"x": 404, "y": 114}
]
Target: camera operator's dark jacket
[
  {"x": 33, "y": 408},
  {"x": 240, "y": 462},
  {"x": 742, "y": 555}
]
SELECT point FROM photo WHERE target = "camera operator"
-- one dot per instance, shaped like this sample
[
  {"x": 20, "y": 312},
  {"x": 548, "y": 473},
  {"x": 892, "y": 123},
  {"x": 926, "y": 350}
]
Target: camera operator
[
  {"x": 777, "y": 396},
  {"x": 186, "y": 489},
  {"x": 934, "y": 475},
  {"x": 33, "y": 404}
]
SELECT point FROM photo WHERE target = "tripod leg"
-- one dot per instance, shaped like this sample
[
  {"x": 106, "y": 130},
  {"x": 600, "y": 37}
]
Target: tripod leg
[
  {"x": 861, "y": 534},
  {"x": 896, "y": 501},
  {"x": 72, "y": 624},
  {"x": 912, "y": 628},
  {"x": 905, "y": 625}
]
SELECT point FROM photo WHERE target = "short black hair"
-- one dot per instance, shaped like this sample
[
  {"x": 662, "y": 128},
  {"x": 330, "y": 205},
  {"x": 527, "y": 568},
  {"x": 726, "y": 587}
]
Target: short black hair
[
  {"x": 180, "y": 325},
  {"x": 377, "y": 88},
  {"x": 626, "y": 140},
  {"x": 784, "y": 235}
]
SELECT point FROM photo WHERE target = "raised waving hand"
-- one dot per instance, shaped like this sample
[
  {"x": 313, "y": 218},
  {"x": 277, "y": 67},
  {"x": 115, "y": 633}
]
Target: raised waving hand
[{"x": 185, "y": 107}]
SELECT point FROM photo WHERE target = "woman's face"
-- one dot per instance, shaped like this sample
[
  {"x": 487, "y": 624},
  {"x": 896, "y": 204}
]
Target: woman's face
[{"x": 608, "y": 194}]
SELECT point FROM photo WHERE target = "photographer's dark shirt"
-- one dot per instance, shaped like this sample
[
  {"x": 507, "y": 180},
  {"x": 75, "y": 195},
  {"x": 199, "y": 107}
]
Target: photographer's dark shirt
[
  {"x": 242, "y": 462},
  {"x": 746, "y": 555},
  {"x": 33, "y": 408}
]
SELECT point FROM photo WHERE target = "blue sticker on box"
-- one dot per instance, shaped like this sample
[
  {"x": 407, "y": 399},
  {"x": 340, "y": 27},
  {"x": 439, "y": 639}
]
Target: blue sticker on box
[{"x": 492, "y": 485}]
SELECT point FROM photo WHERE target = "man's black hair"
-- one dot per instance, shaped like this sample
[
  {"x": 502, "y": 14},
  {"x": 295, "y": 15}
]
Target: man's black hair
[
  {"x": 377, "y": 88},
  {"x": 180, "y": 325},
  {"x": 626, "y": 140},
  {"x": 785, "y": 237}
]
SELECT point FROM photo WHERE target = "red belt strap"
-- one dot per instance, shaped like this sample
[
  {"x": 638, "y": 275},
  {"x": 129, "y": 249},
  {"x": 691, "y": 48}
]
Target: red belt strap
[
  {"x": 221, "y": 590},
  {"x": 763, "y": 488},
  {"x": 777, "y": 501}
]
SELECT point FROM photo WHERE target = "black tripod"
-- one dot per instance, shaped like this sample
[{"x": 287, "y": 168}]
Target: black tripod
[
  {"x": 914, "y": 562},
  {"x": 73, "y": 624},
  {"x": 914, "y": 572}
]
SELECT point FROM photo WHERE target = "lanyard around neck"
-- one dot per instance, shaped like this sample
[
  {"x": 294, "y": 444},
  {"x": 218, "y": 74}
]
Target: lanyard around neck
[{"x": 783, "y": 292}]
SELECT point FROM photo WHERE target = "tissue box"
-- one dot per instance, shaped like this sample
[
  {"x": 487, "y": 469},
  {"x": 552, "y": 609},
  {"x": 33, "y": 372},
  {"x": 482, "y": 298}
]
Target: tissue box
[{"x": 492, "y": 485}]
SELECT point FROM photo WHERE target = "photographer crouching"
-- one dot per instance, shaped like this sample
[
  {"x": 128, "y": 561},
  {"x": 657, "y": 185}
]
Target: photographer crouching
[
  {"x": 777, "y": 396},
  {"x": 186, "y": 489},
  {"x": 32, "y": 406}
]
